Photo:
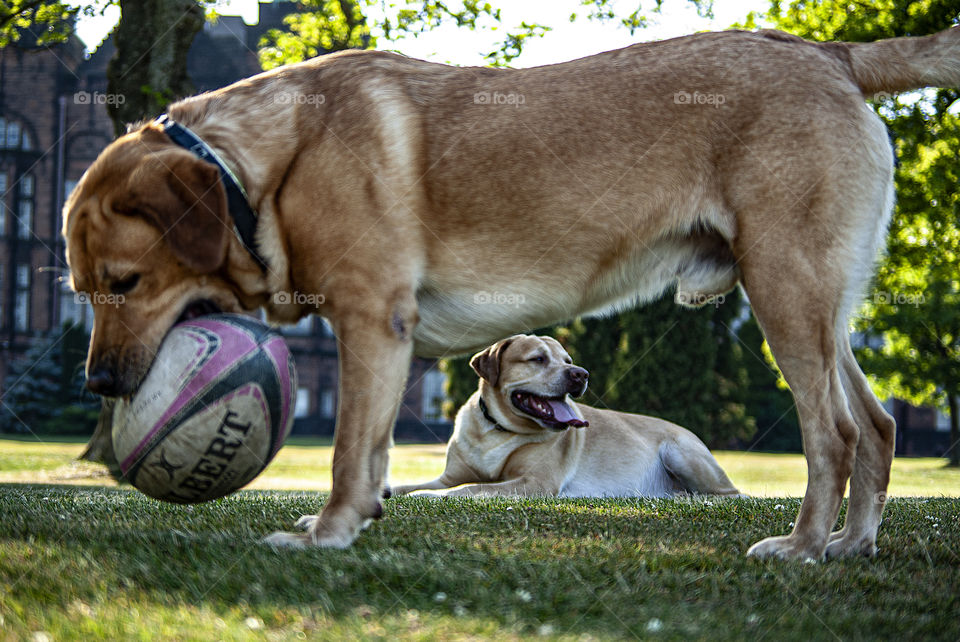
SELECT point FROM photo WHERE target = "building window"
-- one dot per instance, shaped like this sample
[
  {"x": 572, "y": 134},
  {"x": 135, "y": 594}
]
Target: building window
[
  {"x": 21, "y": 303},
  {"x": 25, "y": 207},
  {"x": 25, "y": 219},
  {"x": 328, "y": 404},
  {"x": 3, "y": 203},
  {"x": 302, "y": 408},
  {"x": 433, "y": 396},
  {"x": 3, "y": 299},
  {"x": 13, "y": 135},
  {"x": 73, "y": 309}
]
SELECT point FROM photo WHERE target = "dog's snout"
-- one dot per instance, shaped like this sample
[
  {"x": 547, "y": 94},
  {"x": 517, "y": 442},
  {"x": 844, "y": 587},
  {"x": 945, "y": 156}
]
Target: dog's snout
[
  {"x": 101, "y": 381},
  {"x": 576, "y": 380}
]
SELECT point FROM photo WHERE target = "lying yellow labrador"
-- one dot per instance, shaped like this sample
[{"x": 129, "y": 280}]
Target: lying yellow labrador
[
  {"x": 434, "y": 210},
  {"x": 514, "y": 437}
]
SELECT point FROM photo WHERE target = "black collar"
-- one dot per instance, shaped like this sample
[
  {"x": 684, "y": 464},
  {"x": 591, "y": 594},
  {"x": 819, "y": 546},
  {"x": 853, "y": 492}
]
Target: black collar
[
  {"x": 244, "y": 218},
  {"x": 486, "y": 415}
]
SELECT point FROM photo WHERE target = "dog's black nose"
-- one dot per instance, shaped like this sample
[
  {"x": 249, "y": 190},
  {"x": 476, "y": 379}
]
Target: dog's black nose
[
  {"x": 101, "y": 381},
  {"x": 577, "y": 375}
]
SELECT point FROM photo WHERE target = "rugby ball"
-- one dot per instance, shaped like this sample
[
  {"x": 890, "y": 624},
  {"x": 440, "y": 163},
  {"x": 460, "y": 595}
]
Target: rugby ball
[{"x": 213, "y": 410}]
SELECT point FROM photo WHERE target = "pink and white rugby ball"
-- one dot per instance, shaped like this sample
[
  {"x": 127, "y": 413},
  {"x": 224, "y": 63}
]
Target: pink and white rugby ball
[{"x": 212, "y": 412}]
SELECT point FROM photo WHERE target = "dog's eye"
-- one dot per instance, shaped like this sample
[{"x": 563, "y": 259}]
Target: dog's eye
[
  {"x": 125, "y": 285},
  {"x": 537, "y": 359}
]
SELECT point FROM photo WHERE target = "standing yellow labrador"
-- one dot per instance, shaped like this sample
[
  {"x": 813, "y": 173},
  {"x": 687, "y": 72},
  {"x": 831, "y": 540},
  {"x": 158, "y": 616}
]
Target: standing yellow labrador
[
  {"x": 434, "y": 210},
  {"x": 514, "y": 437}
]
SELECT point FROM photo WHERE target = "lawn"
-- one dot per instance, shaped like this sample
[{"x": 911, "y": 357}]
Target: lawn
[
  {"x": 304, "y": 464},
  {"x": 89, "y": 561}
]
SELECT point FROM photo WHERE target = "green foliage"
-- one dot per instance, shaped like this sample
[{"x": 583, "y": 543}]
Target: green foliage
[
  {"x": 46, "y": 22},
  {"x": 461, "y": 383},
  {"x": 44, "y": 392},
  {"x": 915, "y": 304},
  {"x": 330, "y": 25},
  {"x": 767, "y": 397},
  {"x": 669, "y": 361}
]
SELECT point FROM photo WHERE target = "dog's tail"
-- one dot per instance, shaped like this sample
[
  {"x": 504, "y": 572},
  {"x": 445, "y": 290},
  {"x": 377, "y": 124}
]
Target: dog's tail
[{"x": 902, "y": 64}]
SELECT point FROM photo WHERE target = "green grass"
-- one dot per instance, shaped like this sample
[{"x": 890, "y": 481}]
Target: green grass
[
  {"x": 304, "y": 464},
  {"x": 87, "y": 562}
]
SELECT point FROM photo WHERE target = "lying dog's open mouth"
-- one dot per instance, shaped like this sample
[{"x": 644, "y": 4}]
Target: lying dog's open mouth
[
  {"x": 553, "y": 411},
  {"x": 197, "y": 309}
]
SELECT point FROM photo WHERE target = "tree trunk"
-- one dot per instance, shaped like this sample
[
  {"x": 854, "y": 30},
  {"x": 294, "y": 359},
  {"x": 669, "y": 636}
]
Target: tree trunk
[
  {"x": 954, "y": 452},
  {"x": 149, "y": 69},
  {"x": 100, "y": 447}
]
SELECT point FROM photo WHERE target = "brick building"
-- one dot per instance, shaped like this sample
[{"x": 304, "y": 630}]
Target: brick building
[{"x": 53, "y": 124}]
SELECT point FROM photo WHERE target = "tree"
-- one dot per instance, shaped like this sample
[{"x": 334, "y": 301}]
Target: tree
[
  {"x": 48, "y": 22},
  {"x": 914, "y": 305},
  {"x": 684, "y": 365},
  {"x": 335, "y": 25},
  {"x": 149, "y": 68}
]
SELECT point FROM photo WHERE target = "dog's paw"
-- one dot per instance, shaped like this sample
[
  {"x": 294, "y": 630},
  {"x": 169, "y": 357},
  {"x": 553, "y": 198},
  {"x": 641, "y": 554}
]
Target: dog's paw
[
  {"x": 787, "y": 547},
  {"x": 306, "y": 522},
  {"x": 842, "y": 544},
  {"x": 286, "y": 540}
]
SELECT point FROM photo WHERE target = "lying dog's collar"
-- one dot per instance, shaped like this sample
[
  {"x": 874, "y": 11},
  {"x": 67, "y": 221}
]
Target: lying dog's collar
[
  {"x": 486, "y": 415},
  {"x": 244, "y": 217}
]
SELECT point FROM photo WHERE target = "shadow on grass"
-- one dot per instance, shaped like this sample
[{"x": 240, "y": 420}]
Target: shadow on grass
[{"x": 606, "y": 567}]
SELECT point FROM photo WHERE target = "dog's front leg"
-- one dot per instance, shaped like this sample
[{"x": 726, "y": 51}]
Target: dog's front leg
[{"x": 375, "y": 349}]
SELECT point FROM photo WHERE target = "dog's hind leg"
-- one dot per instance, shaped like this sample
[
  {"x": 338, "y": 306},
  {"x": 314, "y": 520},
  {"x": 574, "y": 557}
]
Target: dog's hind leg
[
  {"x": 871, "y": 469},
  {"x": 695, "y": 468},
  {"x": 803, "y": 341}
]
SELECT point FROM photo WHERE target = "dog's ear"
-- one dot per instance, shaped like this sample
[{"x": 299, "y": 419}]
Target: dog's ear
[
  {"x": 187, "y": 201},
  {"x": 487, "y": 363}
]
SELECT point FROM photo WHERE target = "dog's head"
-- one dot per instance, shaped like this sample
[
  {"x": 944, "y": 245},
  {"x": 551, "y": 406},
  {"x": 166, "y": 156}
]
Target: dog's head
[
  {"x": 532, "y": 378},
  {"x": 147, "y": 230}
]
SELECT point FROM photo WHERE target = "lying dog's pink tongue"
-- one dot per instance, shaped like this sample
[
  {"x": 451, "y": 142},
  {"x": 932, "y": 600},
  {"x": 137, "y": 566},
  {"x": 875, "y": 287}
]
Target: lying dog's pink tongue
[{"x": 562, "y": 413}]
